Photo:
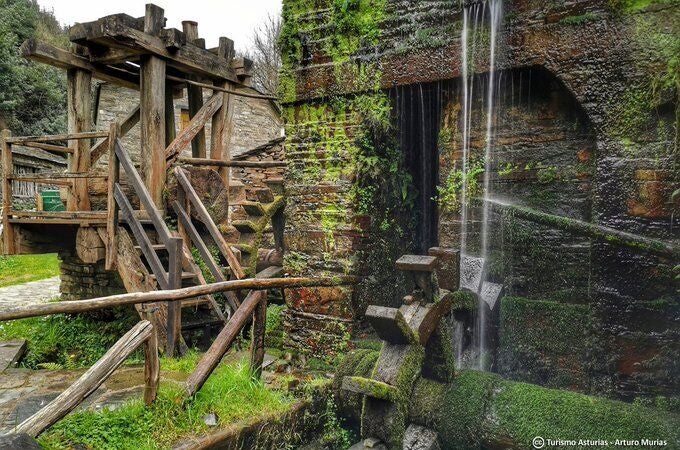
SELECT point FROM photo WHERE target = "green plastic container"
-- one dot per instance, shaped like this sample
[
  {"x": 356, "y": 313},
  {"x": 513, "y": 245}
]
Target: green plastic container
[{"x": 52, "y": 200}]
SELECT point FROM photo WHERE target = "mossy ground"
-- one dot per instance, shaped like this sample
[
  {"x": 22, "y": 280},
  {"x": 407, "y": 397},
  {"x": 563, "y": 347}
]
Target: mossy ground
[{"x": 24, "y": 268}]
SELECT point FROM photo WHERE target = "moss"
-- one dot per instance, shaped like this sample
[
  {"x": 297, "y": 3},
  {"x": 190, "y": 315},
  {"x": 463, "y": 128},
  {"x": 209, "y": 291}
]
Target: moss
[
  {"x": 633, "y": 6},
  {"x": 372, "y": 388},
  {"x": 524, "y": 411},
  {"x": 274, "y": 328},
  {"x": 357, "y": 363},
  {"x": 464, "y": 300},
  {"x": 544, "y": 342},
  {"x": 580, "y": 19}
]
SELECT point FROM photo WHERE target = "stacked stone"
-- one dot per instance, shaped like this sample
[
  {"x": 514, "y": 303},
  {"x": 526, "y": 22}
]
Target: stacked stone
[{"x": 82, "y": 281}]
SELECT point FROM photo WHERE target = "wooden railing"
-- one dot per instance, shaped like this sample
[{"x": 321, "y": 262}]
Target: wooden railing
[
  {"x": 145, "y": 333},
  {"x": 119, "y": 205}
]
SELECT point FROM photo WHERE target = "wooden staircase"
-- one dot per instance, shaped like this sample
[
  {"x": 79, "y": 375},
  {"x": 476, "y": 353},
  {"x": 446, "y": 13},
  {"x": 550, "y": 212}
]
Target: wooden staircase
[{"x": 159, "y": 258}]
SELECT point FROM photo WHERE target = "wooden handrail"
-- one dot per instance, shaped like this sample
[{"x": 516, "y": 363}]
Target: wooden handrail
[
  {"x": 49, "y": 147},
  {"x": 174, "y": 295},
  {"x": 58, "y": 137}
]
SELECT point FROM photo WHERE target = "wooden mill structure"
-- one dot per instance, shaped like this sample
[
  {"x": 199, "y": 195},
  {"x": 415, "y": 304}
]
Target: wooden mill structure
[{"x": 131, "y": 234}]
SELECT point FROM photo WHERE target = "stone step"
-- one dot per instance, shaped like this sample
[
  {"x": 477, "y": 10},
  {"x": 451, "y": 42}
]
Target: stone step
[
  {"x": 253, "y": 208},
  {"x": 262, "y": 195},
  {"x": 246, "y": 226},
  {"x": 275, "y": 185},
  {"x": 371, "y": 388}
]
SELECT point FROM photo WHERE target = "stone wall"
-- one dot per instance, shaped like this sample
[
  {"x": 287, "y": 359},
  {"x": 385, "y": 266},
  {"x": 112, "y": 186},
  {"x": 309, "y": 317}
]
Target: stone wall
[
  {"x": 257, "y": 176},
  {"x": 81, "y": 281},
  {"x": 591, "y": 136},
  {"x": 256, "y": 122}
]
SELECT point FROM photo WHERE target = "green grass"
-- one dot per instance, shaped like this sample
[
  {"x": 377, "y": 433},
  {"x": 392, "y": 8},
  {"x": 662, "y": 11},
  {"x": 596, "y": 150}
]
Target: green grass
[
  {"x": 230, "y": 393},
  {"x": 24, "y": 268},
  {"x": 66, "y": 341}
]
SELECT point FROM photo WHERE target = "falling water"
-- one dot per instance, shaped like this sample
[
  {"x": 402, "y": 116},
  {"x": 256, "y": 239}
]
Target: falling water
[{"x": 473, "y": 15}]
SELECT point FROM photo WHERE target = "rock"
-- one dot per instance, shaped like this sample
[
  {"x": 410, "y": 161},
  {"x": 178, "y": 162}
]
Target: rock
[
  {"x": 210, "y": 419},
  {"x": 11, "y": 352},
  {"x": 18, "y": 442}
]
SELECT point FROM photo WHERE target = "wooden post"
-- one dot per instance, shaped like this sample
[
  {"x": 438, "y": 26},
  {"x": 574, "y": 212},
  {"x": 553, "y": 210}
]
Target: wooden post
[
  {"x": 7, "y": 170},
  {"x": 170, "y": 127},
  {"x": 152, "y": 367},
  {"x": 195, "y": 94},
  {"x": 79, "y": 120},
  {"x": 223, "y": 119},
  {"x": 111, "y": 205},
  {"x": 258, "y": 333},
  {"x": 88, "y": 382},
  {"x": 222, "y": 342},
  {"x": 174, "y": 318},
  {"x": 152, "y": 112}
]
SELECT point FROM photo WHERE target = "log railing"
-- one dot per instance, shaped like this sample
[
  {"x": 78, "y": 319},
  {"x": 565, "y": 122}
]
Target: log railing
[
  {"x": 170, "y": 278},
  {"x": 144, "y": 333}
]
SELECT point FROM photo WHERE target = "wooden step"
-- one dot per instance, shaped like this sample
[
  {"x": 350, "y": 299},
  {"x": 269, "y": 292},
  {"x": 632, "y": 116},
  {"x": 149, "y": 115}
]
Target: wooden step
[
  {"x": 185, "y": 275},
  {"x": 157, "y": 247}
]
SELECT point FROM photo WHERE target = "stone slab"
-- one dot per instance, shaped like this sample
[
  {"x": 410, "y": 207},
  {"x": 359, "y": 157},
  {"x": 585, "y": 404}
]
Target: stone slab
[
  {"x": 417, "y": 263},
  {"x": 11, "y": 352}
]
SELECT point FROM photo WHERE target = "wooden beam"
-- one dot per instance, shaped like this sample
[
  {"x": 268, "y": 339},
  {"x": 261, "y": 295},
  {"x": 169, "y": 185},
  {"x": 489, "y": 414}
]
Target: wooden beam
[
  {"x": 222, "y": 121},
  {"x": 170, "y": 126},
  {"x": 195, "y": 95},
  {"x": 126, "y": 124},
  {"x": 54, "y": 56},
  {"x": 58, "y": 149},
  {"x": 152, "y": 365},
  {"x": 82, "y": 215},
  {"x": 111, "y": 204},
  {"x": 68, "y": 400},
  {"x": 22, "y": 140},
  {"x": 79, "y": 104},
  {"x": 79, "y": 306},
  {"x": 174, "y": 322},
  {"x": 212, "y": 357},
  {"x": 195, "y": 126},
  {"x": 236, "y": 92},
  {"x": 152, "y": 120},
  {"x": 48, "y": 181},
  {"x": 205, "y": 217},
  {"x": 9, "y": 247},
  {"x": 114, "y": 32}
]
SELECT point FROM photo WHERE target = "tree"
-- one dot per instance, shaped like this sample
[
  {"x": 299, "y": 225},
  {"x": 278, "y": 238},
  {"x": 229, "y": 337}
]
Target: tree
[
  {"x": 32, "y": 95},
  {"x": 265, "y": 54}
]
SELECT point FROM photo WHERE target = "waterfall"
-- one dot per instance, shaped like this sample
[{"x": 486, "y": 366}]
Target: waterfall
[{"x": 473, "y": 268}]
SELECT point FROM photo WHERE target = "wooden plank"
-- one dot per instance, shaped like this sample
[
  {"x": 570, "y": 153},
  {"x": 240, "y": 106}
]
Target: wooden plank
[
  {"x": 111, "y": 205},
  {"x": 170, "y": 126},
  {"x": 62, "y": 175},
  {"x": 152, "y": 121},
  {"x": 204, "y": 216},
  {"x": 390, "y": 325},
  {"x": 57, "y": 57},
  {"x": 372, "y": 388},
  {"x": 232, "y": 163},
  {"x": 9, "y": 247},
  {"x": 193, "y": 128},
  {"x": 22, "y": 140},
  {"x": 68, "y": 400},
  {"x": 47, "y": 221},
  {"x": 78, "y": 306},
  {"x": 270, "y": 272},
  {"x": 128, "y": 122},
  {"x": 212, "y": 357},
  {"x": 258, "y": 334},
  {"x": 47, "y": 181},
  {"x": 152, "y": 365},
  {"x": 81, "y": 215},
  {"x": 58, "y": 149}
]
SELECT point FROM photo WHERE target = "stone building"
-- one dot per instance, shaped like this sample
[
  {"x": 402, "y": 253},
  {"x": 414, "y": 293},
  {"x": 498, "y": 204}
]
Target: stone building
[{"x": 584, "y": 126}]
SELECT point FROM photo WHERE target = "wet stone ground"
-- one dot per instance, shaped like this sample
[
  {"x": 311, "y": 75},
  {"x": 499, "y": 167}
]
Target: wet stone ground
[{"x": 23, "y": 392}]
